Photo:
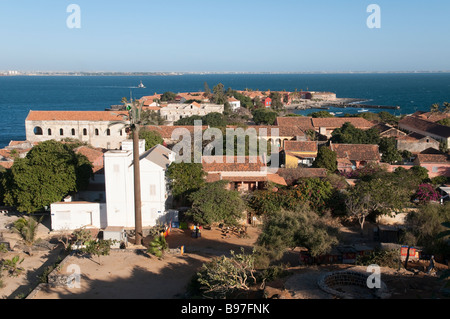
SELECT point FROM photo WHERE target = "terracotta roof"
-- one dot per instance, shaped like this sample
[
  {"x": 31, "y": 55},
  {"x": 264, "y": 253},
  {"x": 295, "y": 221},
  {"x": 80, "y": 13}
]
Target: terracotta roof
[
  {"x": 301, "y": 146},
  {"x": 277, "y": 179},
  {"x": 431, "y": 116},
  {"x": 283, "y": 131},
  {"x": 357, "y": 152},
  {"x": 107, "y": 116},
  {"x": 166, "y": 131},
  {"x": 433, "y": 158},
  {"x": 294, "y": 174},
  {"x": 232, "y": 164},
  {"x": 336, "y": 122},
  {"x": 414, "y": 123},
  {"x": 304, "y": 123},
  {"x": 95, "y": 156},
  {"x": 6, "y": 164}
]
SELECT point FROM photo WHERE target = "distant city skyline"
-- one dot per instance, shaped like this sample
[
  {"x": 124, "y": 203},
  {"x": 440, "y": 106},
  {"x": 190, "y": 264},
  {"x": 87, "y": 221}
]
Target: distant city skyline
[{"x": 198, "y": 36}]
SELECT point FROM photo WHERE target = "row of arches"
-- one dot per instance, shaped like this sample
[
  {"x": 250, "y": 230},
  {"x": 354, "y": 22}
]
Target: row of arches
[{"x": 39, "y": 131}]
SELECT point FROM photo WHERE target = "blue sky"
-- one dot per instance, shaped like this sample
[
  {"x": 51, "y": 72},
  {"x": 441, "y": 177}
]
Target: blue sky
[{"x": 210, "y": 35}]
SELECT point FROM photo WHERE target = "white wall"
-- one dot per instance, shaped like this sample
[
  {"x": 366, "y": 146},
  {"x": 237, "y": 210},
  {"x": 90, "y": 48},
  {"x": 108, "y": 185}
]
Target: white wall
[{"x": 74, "y": 215}]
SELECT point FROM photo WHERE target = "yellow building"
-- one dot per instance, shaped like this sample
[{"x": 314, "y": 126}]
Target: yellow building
[{"x": 300, "y": 153}]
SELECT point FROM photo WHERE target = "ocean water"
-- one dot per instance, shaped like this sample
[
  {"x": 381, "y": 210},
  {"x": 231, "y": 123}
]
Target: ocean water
[{"x": 20, "y": 94}]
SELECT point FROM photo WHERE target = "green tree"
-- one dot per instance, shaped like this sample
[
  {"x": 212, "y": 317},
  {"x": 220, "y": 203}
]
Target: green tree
[
  {"x": 349, "y": 134},
  {"x": 302, "y": 228},
  {"x": 219, "y": 96},
  {"x": 186, "y": 178},
  {"x": 321, "y": 114},
  {"x": 213, "y": 203},
  {"x": 277, "y": 103},
  {"x": 263, "y": 116},
  {"x": 50, "y": 171},
  {"x": 151, "y": 138},
  {"x": 158, "y": 246},
  {"x": 326, "y": 158},
  {"x": 168, "y": 96},
  {"x": 388, "y": 148}
]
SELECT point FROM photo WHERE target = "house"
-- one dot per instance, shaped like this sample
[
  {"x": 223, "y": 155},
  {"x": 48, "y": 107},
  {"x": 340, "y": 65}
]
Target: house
[
  {"x": 354, "y": 156},
  {"x": 416, "y": 143},
  {"x": 234, "y": 103},
  {"x": 176, "y": 111},
  {"x": 267, "y": 101},
  {"x": 278, "y": 135},
  {"x": 303, "y": 123},
  {"x": 118, "y": 208},
  {"x": 424, "y": 127},
  {"x": 243, "y": 173},
  {"x": 436, "y": 164},
  {"x": 300, "y": 153},
  {"x": 97, "y": 128},
  {"x": 173, "y": 134},
  {"x": 326, "y": 126},
  {"x": 386, "y": 130}
]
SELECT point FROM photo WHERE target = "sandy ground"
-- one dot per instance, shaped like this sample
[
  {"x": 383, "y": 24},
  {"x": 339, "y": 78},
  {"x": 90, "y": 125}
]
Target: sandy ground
[{"x": 127, "y": 274}]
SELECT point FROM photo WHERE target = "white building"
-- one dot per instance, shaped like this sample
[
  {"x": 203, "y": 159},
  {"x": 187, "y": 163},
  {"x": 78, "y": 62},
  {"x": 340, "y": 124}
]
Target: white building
[
  {"x": 118, "y": 211},
  {"x": 234, "y": 103},
  {"x": 176, "y": 111},
  {"x": 94, "y": 127}
]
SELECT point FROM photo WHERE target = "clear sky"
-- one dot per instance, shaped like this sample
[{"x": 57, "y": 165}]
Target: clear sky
[{"x": 233, "y": 35}]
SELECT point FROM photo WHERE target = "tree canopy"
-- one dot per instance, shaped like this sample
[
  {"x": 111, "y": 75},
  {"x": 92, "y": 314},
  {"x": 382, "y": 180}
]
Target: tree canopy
[
  {"x": 263, "y": 116},
  {"x": 50, "y": 171},
  {"x": 349, "y": 134},
  {"x": 326, "y": 158},
  {"x": 186, "y": 178},
  {"x": 213, "y": 203}
]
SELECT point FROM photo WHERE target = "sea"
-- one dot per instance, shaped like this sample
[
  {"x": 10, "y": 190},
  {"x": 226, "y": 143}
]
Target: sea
[{"x": 20, "y": 94}]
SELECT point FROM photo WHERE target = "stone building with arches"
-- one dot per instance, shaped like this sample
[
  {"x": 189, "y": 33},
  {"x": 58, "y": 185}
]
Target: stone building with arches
[{"x": 97, "y": 128}]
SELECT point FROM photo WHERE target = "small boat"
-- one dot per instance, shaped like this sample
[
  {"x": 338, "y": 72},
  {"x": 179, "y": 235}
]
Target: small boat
[
  {"x": 141, "y": 86},
  {"x": 363, "y": 110}
]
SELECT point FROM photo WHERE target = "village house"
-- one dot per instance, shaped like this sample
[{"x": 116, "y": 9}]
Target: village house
[
  {"x": 436, "y": 164},
  {"x": 234, "y": 103},
  {"x": 354, "y": 156},
  {"x": 96, "y": 128},
  {"x": 416, "y": 143},
  {"x": 424, "y": 127},
  {"x": 243, "y": 173},
  {"x": 299, "y": 153},
  {"x": 174, "y": 112},
  {"x": 323, "y": 126},
  {"x": 117, "y": 210}
]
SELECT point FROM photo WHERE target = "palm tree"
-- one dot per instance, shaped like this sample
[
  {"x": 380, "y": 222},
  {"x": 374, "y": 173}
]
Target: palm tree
[
  {"x": 27, "y": 229},
  {"x": 133, "y": 122}
]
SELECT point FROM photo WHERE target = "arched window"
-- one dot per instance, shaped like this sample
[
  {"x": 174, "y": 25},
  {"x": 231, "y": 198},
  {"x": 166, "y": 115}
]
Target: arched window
[
  {"x": 84, "y": 132},
  {"x": 108, "y": 132},
  {"x": 49, "y": 131},
  {"x": 96, "y": 131},
  {"x": 73, "y": 132},
  {"x": 120, "y": 132},
  {"x": 61, "y": 132},
  {"x": 37, "y": 130}
]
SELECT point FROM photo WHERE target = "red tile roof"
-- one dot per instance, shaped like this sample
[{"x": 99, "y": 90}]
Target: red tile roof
[
  {"x": 433, "y": 158},
  {"x": 301, "y": 146},
  {"x": 304, "y": 123},
  {"x": 107, "y": 116},
  {"x": 232, "y": 164},
  {"x": 166, "y": 131},
  {"x": 336, "y": 122},
  {"x": 357, "y": 152}
]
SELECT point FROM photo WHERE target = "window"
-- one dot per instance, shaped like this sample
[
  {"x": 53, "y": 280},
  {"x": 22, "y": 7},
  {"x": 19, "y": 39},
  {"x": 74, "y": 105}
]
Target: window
[
  {"x": 37, "y": 130},
  {"x": 61, "y": 132},
  {"x": 49, "y": 131},
  {"x": 84, "y": 132},
  {"x": 435, "y": 169},
  {"x": 96, "y": 131},
  {"x": 73, "y": 132},
  {"x": 152, "y": 190},
  {"x": 120, "y": 132},
  {"x": 108, "y": 132}
]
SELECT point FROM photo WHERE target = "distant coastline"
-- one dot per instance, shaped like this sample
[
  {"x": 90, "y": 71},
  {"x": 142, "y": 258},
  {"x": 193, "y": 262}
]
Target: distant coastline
[{"x": 110, "y": 73}]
